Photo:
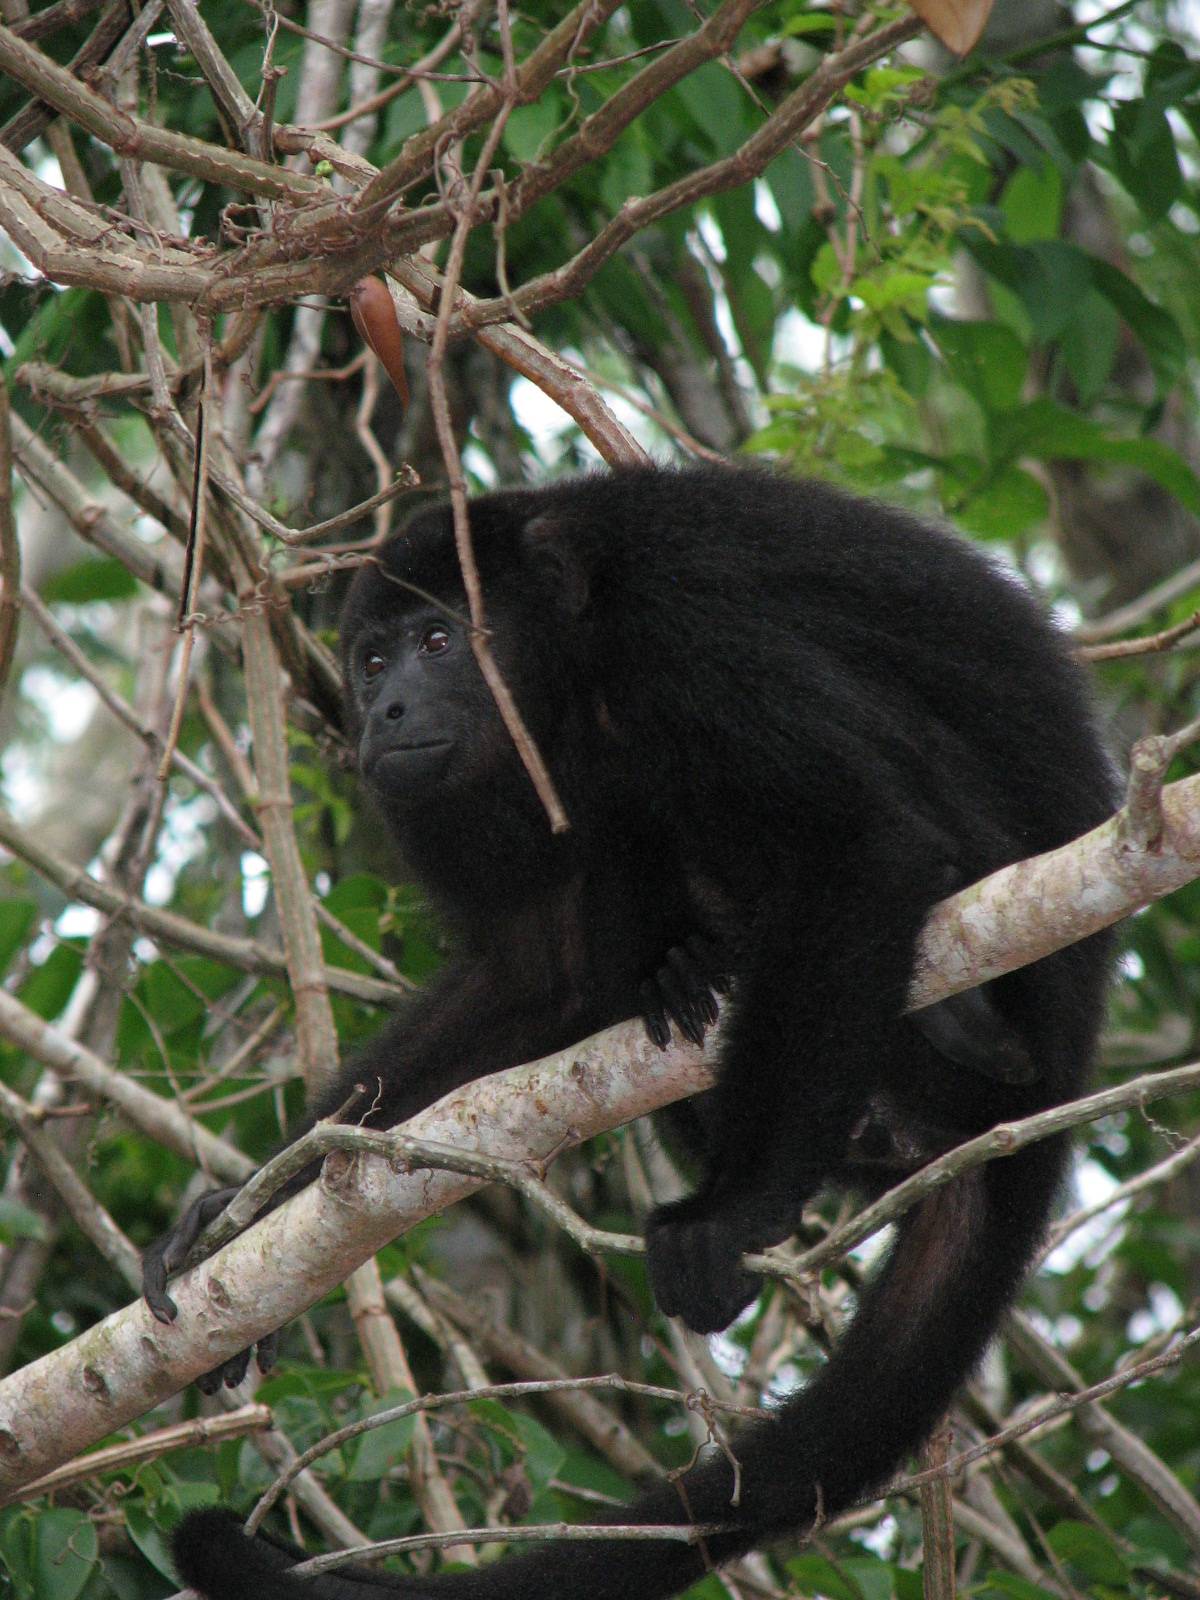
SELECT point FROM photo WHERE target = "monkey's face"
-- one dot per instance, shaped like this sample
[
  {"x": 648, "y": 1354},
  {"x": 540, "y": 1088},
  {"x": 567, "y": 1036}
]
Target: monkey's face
[
  {"x": 417, "y": 703},
  {"x": 430, "y": 740}
]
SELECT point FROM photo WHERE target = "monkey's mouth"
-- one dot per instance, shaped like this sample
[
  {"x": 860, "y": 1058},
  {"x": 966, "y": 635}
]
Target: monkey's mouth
[{"x": 401, "y": 765}]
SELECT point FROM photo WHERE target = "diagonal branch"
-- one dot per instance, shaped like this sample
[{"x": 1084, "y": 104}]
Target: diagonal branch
[
  {"x": 143, "y": 141},
  {"x": 71, "y": 1398}
]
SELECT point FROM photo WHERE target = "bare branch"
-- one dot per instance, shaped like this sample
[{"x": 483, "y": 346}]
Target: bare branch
[
  {"x": 779, "y": 130},
  {"x": 10, "y": 550},
  {"x": 198, "y": 1431},
  {"x": 92, "y": 1220},
  {"x": 246, "y": 955},
  {"x": 155, "y": 1116},
  {"x": 144, "y": 141}
]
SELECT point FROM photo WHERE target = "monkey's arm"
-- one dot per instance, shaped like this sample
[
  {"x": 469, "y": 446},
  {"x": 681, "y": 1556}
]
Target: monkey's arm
[
  {"x": 815, "y": 1027},
  {"x": 471, "y": 1021}
]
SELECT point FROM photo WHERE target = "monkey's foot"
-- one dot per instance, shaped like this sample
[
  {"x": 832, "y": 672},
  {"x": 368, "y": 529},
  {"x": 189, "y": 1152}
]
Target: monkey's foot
[{"x": 694, "y": 1250}]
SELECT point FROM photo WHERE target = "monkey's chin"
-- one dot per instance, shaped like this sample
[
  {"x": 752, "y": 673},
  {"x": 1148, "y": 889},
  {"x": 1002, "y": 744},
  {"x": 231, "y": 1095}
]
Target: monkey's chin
[{"x": 409, "y": 769}]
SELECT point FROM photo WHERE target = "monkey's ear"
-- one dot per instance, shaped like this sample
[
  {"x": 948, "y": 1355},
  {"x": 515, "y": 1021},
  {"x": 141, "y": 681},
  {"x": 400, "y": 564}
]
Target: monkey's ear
[{"x": 553, "y": 551}]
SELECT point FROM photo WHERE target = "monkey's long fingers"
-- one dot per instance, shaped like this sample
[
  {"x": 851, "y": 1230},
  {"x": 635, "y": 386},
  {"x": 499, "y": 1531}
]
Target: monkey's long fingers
[
  {"x": 684, "y": 992},
  {"x": 968, "y": 1029},
  {"x": 231, "y": 1372},
  {"x": 686, "y": 996},
  {"x": 167, "y": 1254},
  {"x": 654, "y": 1016},
  {"x": 267, "y": 1350}
]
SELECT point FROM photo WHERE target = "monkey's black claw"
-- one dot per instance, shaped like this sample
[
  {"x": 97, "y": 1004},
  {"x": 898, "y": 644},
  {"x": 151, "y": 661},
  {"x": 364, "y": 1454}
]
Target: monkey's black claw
[
  {"x": 230, "y": 1373},
  {"x": 653, "y": 1016},
  {"x": 684, "y": 992},
  {"x": 169, "y": 1252},
  {"x": 267, "y": 1351},
  {"x": 162, "y": 1308}
]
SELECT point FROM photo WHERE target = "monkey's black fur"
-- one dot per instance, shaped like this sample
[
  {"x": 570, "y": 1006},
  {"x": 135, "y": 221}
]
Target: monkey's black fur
[{"x": 784, "y": 723}]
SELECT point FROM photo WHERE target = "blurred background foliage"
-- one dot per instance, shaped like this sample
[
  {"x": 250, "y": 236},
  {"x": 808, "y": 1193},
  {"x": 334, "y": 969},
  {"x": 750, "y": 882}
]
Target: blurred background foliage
[{"x": 968, "y": 286}]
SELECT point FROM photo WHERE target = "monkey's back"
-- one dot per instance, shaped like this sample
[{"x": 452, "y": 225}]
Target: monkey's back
[{"x": 767, "y": 627}]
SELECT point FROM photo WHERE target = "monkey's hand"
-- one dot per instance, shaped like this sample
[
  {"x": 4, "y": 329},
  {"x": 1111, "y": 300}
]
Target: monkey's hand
[
  {"x": 695, "y": 1246},
  {"x": 684, "y": 991},
  {"x": 167, "y": 1255}
]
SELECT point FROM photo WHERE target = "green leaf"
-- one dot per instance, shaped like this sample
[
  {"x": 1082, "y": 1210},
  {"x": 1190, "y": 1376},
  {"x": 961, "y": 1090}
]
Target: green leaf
[
  {"x": 530, "y": 128},
  {"x": 910, "y": 361},
  {"x": 1089, "y": 346},
  {"x": 1144, "y": 157},
  {"x": 18, "y": 1222},
  {"x": 1032, "y": 203},
  {"x": 1087, "y": 1548},
  {"x": 884, "y": 86},
  {"x": 49, "y": 986},
  {"x": 627, "y": 172},
  {"x": 65, "y": 1548},
  {"x": 826, "y": 271},
  {"x": 874, "y": 1578},
  {"x": 857, "y": 1578},
  {"x": 717, "y": 107},
  {"x": 789, "y": 178},
  {"x": 544, "y": 1455},
  {"x": 907, "y": 290},
  {"x": 810, "y": 22},
  {"x": 88, "y": 581},
  {"x": 16, "y": 919},
  {"x": 1051, "y": 433},
  {"x": 16, "y": 1556},
  {"x": 53, "y": 326},
  {"x": 1009, "y": 504},
  {"x": 816, "y": 1575},
  {"x": 986, "y": 358},
  {"x": 298, "y": 1381},
  {"x": 1050, "y": 277},
  {"x": 375, "y": 1452},
  {"x": 170, "y": 1001},
  {"x": 149, "y": 1539},
  {"x": 1009, "y": 1583},
  {"x": 151, "y": 1533},
  {"x": 372, "y": 1456},
  {"x": 1160, "y": 334},
  {"x": 1171, "y": 75}
]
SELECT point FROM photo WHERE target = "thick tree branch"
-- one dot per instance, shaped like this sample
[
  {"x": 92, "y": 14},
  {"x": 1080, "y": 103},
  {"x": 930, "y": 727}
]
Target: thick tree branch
[{"x": 73, "y": 1397}]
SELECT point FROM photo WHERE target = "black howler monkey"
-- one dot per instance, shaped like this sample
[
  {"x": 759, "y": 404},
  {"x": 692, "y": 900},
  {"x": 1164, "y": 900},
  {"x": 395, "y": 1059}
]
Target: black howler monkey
[{"x": 784, "y": 723}]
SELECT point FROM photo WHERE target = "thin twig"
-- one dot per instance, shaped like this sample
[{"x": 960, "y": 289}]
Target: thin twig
[
  {"x": 457, "y": 1397},
  {"x": 10, "y": 550},
  {"x": 1152, "y": 644},
  {"x": 125, "y": 714},
  {"x": 246, "y": 955},
  {"x": 440, "y": 404},
  {"x": 192, "y": 1435}
]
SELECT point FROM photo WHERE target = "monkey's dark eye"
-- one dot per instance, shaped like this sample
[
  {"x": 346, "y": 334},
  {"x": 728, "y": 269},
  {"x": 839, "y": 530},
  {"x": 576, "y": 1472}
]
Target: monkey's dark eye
[
  {"x": 434, "y": 640},
  {"x": 373, "y": 664}
]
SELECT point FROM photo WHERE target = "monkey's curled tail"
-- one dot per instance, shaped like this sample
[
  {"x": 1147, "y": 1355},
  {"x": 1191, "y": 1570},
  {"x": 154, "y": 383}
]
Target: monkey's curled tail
[{"x": 919, "y": 1332}]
